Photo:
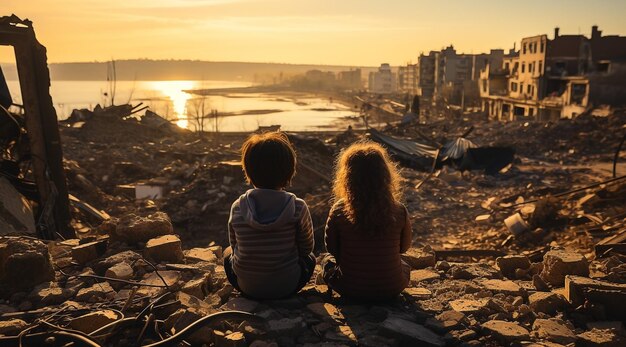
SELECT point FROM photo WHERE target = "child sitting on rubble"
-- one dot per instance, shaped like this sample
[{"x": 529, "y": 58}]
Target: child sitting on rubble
[
  {"x": 270, "y": 230},
  {"x": 367, "y": 228}
]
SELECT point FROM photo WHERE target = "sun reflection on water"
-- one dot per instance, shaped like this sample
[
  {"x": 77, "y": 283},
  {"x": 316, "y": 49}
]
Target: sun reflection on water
[{"x": 174, "y": 90}]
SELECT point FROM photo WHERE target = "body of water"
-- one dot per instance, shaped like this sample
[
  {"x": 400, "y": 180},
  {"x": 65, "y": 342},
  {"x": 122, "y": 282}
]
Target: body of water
[{"x": 244, "y": 111}]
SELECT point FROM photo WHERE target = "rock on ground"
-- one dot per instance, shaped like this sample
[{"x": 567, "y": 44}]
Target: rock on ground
[
  {"x": 553, "y": 330},
  {"x": 133, "y": 229},
  {"x": 559, "y": 263},
  {"x": 166, "y": 248},
  {"x": 20, "y": 256},
  {"x": 506, "y": 331}
]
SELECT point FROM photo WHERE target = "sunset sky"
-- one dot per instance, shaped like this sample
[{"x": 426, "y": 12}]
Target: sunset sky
[{"x": 346, "y": 32}]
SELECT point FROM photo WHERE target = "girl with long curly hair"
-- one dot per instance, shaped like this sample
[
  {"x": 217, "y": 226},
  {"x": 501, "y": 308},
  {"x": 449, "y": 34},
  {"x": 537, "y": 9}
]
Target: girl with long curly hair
[{"x": 368, "y": 227}]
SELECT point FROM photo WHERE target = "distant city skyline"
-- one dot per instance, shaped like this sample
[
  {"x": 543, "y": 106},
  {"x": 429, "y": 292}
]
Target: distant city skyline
[{"x": 328, "y": 32}]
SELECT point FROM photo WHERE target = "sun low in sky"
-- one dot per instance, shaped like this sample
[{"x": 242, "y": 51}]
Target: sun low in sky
[{"x": 345, "y": 32}]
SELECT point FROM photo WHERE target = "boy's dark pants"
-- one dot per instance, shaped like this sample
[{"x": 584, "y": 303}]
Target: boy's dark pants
[{"x": 306, "y": 263}]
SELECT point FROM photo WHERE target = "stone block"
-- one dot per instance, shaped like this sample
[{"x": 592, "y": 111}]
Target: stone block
[
  {"x": 121, "y": 271},
  {"x": 134, "y": 229},
  {"x": 510, "y": 263},
  {"x": 612, "y": 296},
  {"x": 195, "y": 255},
  {"x": 502, "y": 286},
  {"x": 559, "y": 263},
  {"x": 553, "y": 331},
  {"x": 97, "y": 293},
  {"x": 419, "y": 259},
  {"x": 24, "y": 263},
  {"x": 507, "y": 332},
  {"x": 546, "y": 302},
  {"x": 84, "y": 253},
  {"x": 167, "y": 248},
  {"x": 423, "y": 275}
]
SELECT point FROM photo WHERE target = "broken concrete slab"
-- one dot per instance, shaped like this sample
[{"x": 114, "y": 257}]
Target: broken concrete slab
[
  {"x": 418, "y": 293},
  {"x": 473, "y": 270},
  {"x": 470, "y": 306},
  {"x": 510, "y": 263},
  {"x": 96, "y": 293},
  {"x": 168, "y": 277},
  {"x": 93, "y": 321},
  {"x": 608, "y": 294},
  {"x": 600, "y": 338},
  {"x": 167, "y": 248},
  {"x": 195, "y": 255},
  {"x": 451, "y": 319},
  {"x": 506, "y": 331},
  {"x": 121, "y": 271},
  {"x": 198, "y": 287},
  {"x": 50, "y": 294},
  {"x": 133, "y": 229},
  {"x": 129, "y": 257},
  {"x": 559, "y": 263},
  {"x": 423, "y": 275},
  {"x": 546, "y": 302},
  {"x": 553, "y": 330},
  {"x": 419, "y": 258},
  {"x": 20, "y": 256},
  {"x": 84, "y": 253},
  {"x": 502, "y": 286},
  {"x": 410, "y": 333}
]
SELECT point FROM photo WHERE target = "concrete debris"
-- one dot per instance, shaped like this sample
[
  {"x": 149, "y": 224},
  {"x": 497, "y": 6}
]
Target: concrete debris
[
  {"x": 24, "y": 263},
  {"x": 509, "y": 264},
  {"x": 195, "y": 255},
  {"x": 599, "y": 337},
  {"x": 132, "y": 228},
  {"x": 96, "y": 293},
  {"x": 423, "y": 275},
  {"x": 165, "y": 248},
  {"x": 547, "y": 302},
  {"x": 93, "y": 321},
  {"x": 419, "y": 259},
  {"x": 474, "y": 284},
  {"x": 553, "y": 331},
  {"x": 507, "y": 332},
  {"x": 610, "y": 296},
  {"x": 84, "y": 253},
  {"x": 558, "y": 263}
]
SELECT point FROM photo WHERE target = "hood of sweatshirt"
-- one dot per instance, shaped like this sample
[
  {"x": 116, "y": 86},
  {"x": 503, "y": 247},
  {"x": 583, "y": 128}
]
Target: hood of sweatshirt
[{"x": 267, "y": 208}]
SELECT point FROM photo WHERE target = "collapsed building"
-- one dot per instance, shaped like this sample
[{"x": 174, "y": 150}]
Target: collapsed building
[{"x": 548, "y": 79}]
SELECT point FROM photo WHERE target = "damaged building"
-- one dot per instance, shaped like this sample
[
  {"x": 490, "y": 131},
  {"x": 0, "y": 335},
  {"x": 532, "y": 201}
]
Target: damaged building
[{"x": 548, "y": 79}]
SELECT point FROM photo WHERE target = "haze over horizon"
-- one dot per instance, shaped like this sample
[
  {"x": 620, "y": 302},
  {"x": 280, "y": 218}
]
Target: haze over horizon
[{"x": 325, "y": 32}]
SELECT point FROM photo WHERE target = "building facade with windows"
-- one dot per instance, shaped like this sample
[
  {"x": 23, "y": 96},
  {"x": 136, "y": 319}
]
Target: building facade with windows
[
  {"x": 548, "y": 79},
  {"x": 382, "y": 81}
]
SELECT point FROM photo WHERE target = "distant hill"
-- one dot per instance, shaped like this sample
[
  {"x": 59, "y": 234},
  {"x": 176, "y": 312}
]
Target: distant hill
[{"x": 139, "y": 69}]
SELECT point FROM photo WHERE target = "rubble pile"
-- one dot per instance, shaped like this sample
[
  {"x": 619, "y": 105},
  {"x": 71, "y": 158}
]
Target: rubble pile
[
  {"x": 520, "y": 258},
  {"x": 149, "y": 280}
]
